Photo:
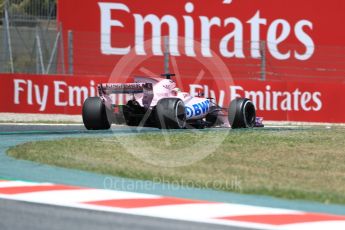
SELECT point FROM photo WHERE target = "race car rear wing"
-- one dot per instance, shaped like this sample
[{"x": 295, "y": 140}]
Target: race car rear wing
[
  {"x": 125, "y": 88},
  {"x": 146, "y": 89}
]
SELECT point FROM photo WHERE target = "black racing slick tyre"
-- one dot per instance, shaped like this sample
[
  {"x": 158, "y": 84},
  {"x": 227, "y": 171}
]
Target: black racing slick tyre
[
  {"x": 242, "y": 113},
  {"x": 170, "y": 113},
  {"x": 95, "y": 114}
]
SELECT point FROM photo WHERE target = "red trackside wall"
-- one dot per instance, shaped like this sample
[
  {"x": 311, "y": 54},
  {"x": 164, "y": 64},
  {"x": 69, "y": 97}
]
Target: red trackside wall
[
  {"x": 303, "y": 40},
  {"x": 214, "y": 47},
  {"x": 301, "y": 101}
]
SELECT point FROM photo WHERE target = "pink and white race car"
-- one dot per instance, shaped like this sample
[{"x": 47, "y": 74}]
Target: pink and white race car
[{"x": 156, "y": 102}]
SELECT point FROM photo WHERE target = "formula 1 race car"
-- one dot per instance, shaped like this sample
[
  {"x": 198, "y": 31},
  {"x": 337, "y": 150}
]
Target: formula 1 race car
[{"x": 156, "y": 102}]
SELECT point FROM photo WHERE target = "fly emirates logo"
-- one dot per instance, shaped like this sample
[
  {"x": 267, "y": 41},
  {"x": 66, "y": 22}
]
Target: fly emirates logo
[{"x": 231, "y": 45}]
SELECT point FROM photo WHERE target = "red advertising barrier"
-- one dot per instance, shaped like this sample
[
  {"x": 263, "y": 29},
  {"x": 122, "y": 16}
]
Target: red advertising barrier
[
  {"x": 281, "y": 101},
  {"x": 297, "y": 39},
  {"x": 46, "y": 93},
  {"x": 222, "y": 47}
]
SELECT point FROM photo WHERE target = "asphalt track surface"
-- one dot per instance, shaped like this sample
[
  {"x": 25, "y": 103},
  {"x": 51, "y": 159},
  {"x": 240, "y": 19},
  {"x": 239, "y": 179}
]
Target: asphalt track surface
[
  {"x": 23, "y": 215},
  {"x": 49, "y": 129}
]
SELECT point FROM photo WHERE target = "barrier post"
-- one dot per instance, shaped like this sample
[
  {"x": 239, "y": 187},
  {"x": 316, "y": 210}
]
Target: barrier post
[
  {"x": 166, "y": 55},
  {"x": 8, "y": 37},
  {"x": 263, "y": 60},
  {"x": 70, "y": 52},
  {"x": 39, "y": 55}
]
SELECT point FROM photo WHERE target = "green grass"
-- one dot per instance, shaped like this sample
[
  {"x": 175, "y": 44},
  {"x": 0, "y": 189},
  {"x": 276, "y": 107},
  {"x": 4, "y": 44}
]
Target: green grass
[{"x": 304, "y": 164}]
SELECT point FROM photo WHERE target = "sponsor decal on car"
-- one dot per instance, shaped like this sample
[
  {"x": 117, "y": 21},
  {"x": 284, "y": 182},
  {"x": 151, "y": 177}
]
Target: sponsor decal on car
[{"x": 197, "y": 109}]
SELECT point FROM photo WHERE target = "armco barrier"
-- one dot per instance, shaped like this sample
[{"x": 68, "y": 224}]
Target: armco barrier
[{"x": 277, "y": 100}]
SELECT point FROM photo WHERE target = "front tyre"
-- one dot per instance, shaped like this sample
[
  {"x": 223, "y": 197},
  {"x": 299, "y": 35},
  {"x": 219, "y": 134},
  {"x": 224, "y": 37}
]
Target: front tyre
[
  {"x": 170, "y": 113},
  {"x": 242, "y": 113},
  {"x": 95, "y": 114}
]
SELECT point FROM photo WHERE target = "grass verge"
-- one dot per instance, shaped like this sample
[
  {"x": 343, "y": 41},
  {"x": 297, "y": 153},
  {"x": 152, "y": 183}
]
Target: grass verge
[{"x": 304, "y": 164}]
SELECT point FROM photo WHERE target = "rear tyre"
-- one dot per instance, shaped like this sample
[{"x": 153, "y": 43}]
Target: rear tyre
[
  {"x": 95, "y": 114},
  {"x": 170, "y": 113},
  {"x": 242, "y": 113}
]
